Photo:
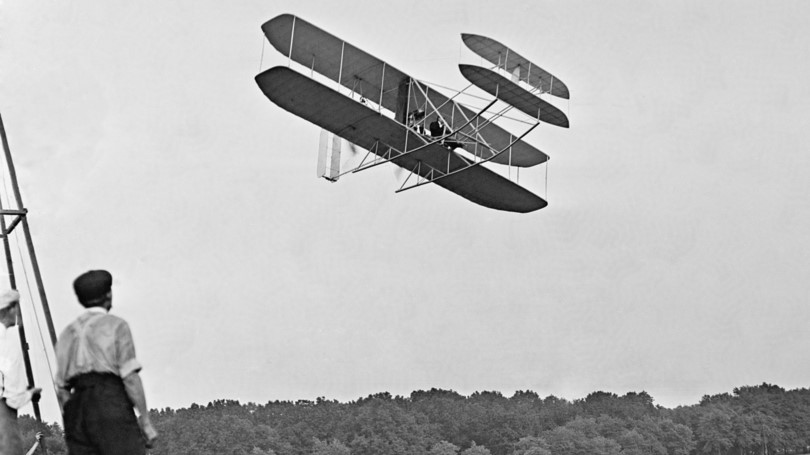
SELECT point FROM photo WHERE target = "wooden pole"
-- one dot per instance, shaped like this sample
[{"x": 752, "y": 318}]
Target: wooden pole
[
  {"x": 22, "y": 219},
  {"x": 12, "y": 281},
  {"x": 27, "y": 232}
]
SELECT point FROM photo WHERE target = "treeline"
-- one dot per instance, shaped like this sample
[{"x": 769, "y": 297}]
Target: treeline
[{"x": 760, "y": 420}]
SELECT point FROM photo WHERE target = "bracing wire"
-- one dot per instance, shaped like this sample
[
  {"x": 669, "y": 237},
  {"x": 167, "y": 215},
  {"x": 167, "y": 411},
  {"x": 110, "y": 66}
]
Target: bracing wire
[
  {"x": 481, "y": 98},
  {"x": 34, "y": 307},
  {"x": 7, "y": 203}
]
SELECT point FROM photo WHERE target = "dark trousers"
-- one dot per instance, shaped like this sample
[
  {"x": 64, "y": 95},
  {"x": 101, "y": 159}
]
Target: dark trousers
[
  {"x": 99, "y": 419},
  {"x": 10, "y": 442}
]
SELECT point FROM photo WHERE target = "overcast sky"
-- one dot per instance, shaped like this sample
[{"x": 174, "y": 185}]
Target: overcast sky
[{"x": 673, "y": 256}]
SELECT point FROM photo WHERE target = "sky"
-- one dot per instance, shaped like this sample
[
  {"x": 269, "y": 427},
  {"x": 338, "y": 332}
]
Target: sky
[{"x": 673, "y": 256}]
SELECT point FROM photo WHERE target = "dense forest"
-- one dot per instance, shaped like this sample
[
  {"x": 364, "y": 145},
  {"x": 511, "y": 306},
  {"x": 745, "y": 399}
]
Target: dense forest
[{"x": 753, "y": 420}]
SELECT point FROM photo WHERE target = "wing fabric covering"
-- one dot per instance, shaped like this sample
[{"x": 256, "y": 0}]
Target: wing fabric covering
[
  {"x": 380, "y": 82},
  {"x": 500, "y": 55},
  {"x": 511, "y": 93},
  {"x": 355, "y": 122}
]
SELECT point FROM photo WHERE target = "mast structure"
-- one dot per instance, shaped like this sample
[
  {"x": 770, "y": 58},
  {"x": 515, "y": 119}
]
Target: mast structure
[{"x": 18, "y": 217}]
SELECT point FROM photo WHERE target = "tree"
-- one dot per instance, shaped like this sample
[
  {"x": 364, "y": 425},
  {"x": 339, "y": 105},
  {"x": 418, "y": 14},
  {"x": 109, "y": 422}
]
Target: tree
[
  {"x": 444, "y": 448},
  {"x": 632, "y": 443},
  {"x": 566, "y": 440},
  {"x": 760, "y": 420},
  {"x": 476, "y": 450},
  {"x": 555, "y": 412},
  {"x": 334, "y": 447},
  {"x": 771, "y": 436},
  {"x": 52, "y": 441},
  {"x": 715, "y": 430},
  {"x": 525, "y": 395},
  {"x": 384, "y": 426},
  {"x": 746, "y": 436},
  {"x": 632, "y": 405},
  {"x": 203, "y": 432},
  {"x": 531, "y": 445},
  {"x": 677, "y": 439}
]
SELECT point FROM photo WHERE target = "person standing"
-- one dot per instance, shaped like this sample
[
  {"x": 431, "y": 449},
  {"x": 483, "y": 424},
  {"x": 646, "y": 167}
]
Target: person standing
[
  {"x": 97, "y": 378},
  {"x": 14, "y": 390}
]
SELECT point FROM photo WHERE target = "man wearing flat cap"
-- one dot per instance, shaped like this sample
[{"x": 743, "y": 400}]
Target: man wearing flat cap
[
  {"x": 97, "y": 377},
  {"x": 14, "y": 390}
]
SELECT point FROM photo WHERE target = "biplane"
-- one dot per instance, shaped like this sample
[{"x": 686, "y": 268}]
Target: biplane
[{"x": 401, "y": 120}]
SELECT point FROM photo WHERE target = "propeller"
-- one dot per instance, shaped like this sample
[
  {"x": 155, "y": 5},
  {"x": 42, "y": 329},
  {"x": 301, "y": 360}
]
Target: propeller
[
  {"x": 398, "y": 172},
  {"x": 352, "y": 148}
]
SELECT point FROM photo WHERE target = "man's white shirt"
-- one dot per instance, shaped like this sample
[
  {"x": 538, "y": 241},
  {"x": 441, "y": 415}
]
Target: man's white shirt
[{"x": 13, "y": 383}]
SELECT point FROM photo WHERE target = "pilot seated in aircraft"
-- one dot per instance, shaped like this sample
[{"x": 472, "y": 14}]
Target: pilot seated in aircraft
[
  {"x": 439, "y": 129},
  {"x": 416, "y": 121}
]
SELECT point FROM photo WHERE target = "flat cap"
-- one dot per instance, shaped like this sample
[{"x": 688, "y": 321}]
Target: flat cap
[
  {"x": 92, "y": 285},
  {"x": 9, "y": 297}
]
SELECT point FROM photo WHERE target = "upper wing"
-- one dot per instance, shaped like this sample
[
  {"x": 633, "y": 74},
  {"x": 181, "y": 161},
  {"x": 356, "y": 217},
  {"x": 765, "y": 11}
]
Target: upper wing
[
  {"x": 384, "y": 84},
  {"x": 500, "y": 55},
  {"x": 336, "y": 59},
  {"x": 369, "y": 129},
  {"x": 511, "y": 93}
]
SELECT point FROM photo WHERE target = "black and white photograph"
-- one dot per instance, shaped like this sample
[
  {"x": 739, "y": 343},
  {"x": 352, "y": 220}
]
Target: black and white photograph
[{"x": 405, "y": 228}]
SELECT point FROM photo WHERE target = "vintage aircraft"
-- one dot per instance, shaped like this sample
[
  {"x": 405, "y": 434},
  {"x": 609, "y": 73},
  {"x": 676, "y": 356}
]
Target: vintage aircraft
[{"x": 387, "y": 112}]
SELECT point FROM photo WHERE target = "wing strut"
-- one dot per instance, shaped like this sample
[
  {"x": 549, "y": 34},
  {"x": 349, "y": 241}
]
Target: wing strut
[
  {"x": 390, "y": 158},
  {"x": 340, "y": 71},
  {"x": 449, "y": 173},
  {"x": 292, "y": 37},
  {"x": 478, "y": 139}
]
